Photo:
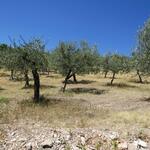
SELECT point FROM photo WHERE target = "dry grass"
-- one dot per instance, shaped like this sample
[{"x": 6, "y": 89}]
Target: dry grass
[{"x": 124, "y": 107}]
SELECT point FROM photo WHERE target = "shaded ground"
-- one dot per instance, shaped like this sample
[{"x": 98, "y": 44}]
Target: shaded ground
[
  {"x": 80, "y": 82},
  {"x": 87, "y": 90}
]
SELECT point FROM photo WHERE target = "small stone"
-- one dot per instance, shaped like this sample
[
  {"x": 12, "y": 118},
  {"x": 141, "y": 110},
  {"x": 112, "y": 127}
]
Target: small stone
[
  {"x": 13, "y": 133},
  {"x": 29, "y": 146},
  {"x": 83, "y": 140},
  {"x": 58, "y": 141},
  {"x": 47, "y": 144},
  {"x": 123, "y": 146},
  {"x": 142, "y": 143},
  {"x": 55, "y": 135},
  {"x": 75, "y": 147},
  {"x": 22, "y": 139},
  {"x": 132, "y": 146},
  {"x": 13, "y": 140},
  {"x": 90, "y": 148},
  {"x": 113, "y": 135},
  {"x": 68, "y": 137},
  {"x": 62, "y": 147}
]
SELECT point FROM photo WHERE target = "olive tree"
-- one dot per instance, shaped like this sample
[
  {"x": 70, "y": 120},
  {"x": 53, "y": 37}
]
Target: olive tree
[
  {"x": 3, "y": 53},
  {"x": 8, "y": 58},
  {"x": 137, "y": 64},
  {"x": 71, "y": 59},
  {"x": 11, "y": 62},
  {"x": 143, "y": 49},
  {"x": 51, "y": 61},
  {"x": 118, "y": 63},
  {"x": 31, "y": 57}
]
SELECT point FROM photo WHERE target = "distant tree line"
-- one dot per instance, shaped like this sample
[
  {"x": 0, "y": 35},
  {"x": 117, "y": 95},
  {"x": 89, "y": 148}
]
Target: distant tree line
[{"x": 71, "y": 59}]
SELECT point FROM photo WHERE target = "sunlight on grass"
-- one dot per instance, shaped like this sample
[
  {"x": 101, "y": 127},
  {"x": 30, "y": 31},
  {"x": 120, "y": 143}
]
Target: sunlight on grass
[
  {"x": 95, "y": 105},
  {"x": 4, "y": 100}
]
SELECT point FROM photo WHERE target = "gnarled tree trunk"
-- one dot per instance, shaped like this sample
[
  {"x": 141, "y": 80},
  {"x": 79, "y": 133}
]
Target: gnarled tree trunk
[
  {"x": 106, "y": 72},
  {"x": 139, "y": 75},
  {"x": 12, "y": 74},
  {"x": 26, "y": 78},
  {"x": 74, "y": 78},
  {"x": 113, "y": 77},
  {"x": 36, "y": 85},
  {"x": 66, "y": 79}
]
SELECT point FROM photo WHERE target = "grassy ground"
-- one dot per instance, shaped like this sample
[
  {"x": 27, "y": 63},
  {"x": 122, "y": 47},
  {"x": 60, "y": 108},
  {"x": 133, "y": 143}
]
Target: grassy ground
[{"x": 123, "y": 107}]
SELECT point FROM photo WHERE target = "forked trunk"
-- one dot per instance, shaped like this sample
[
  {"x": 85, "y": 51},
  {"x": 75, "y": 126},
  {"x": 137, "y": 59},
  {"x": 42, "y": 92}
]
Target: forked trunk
[
  {"x": 36, "y": 85},
  {"x": 140, "y": 78},
  {"x": 113, "y": 77},
  {"x": 66, "y": 79},
  {"x": 74, "y": 78}
]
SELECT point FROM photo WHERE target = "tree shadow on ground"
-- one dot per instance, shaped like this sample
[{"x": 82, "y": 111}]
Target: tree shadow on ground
[
  {"x": 19, "y": 79},
  {"x": 47, "y": 86},
  {"x": 41, "y": 87},
  {"x": 87, "y": 90},
  {"x": 53, "y": 76},
  {"x": 121, "y": 85},
  {"x": 146, "y": 99},
  {"x": 4, "y": 75},
  {"x": 1, "y": 89},
  {"x": 44, "y": 101},
  {"x": 137, "y": 81},
  {"x": 79, "y": 82},
  {"x": 110, "y": 77}
]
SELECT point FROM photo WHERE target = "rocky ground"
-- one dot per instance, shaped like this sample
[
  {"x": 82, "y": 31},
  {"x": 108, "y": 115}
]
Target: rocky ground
[{"x": 39, "y": 137}]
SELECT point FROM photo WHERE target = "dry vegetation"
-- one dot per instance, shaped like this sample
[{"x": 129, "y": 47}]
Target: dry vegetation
[{"x": 123, "y": 107}]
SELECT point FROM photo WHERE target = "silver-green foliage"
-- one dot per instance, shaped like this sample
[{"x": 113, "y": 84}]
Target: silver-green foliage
[
  {"x": 79, "y": 59},
  {"x": 143, "y": 49}
]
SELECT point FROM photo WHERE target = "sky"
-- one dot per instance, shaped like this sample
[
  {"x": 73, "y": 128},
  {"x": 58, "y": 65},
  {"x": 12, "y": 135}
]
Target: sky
[{"x": 110, "y": 24}]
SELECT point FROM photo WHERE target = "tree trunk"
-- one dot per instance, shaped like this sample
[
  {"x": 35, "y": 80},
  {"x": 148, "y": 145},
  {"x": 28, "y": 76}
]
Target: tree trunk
[
  {"x": 66, "y": 79},
  {"x": 12, "y": 75},
  {"x": 140, "y": 78},
  {"x": 106, "y": 74},
  {"x": 26, "y": 78},
  {"x": 36, "y": 85},
  {"x": 113, "y": 77},
  {"x": 74, "y": 78}
]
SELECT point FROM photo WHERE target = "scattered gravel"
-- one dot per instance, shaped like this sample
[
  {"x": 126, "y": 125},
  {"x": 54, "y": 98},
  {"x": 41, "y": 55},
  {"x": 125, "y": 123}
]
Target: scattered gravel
[{"x": 40, "y": 137}]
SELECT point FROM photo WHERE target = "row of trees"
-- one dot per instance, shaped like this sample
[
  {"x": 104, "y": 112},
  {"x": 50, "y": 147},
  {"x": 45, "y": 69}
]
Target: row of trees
[{"x": 71, "y": 59}]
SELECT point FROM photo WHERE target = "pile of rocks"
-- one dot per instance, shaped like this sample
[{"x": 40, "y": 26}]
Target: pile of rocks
[{"x": 40, "y": 138}]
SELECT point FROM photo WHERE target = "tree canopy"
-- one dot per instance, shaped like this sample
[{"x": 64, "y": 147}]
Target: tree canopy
[{"x": 73, "y": 58}]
